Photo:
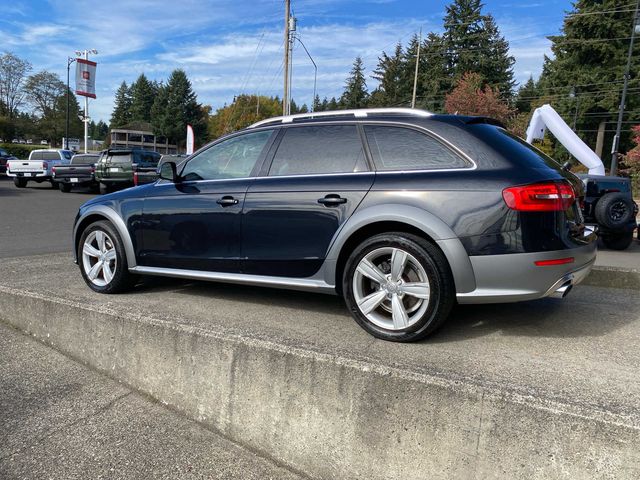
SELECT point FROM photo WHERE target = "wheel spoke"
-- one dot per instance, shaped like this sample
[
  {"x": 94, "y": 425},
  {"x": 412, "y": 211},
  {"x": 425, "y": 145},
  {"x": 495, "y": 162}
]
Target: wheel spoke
[
  {"x": 107, "y": 273},
  {"x": 369, "y": 270},
  {"x": 398, "y": 262},
  {"x": 371, "y": 302},
  {"x": 110, "y": 255},
  {"x": 88, "y": 249},
  {"x": 415, "y": 289},
  {"x": 399, "y": 314},
  {"x": 95, "y": 270},
  {"x": 100, "y": 240}
]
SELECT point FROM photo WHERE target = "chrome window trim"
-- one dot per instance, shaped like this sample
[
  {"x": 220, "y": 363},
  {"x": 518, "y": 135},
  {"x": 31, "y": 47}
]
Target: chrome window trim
[
  {"x": 357, "y": 113},
  {"x": 473, "y": 164}
]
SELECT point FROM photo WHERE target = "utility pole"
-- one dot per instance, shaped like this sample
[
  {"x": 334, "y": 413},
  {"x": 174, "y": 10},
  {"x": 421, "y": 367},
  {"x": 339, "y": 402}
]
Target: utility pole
[
  {"x": 285, "y": 99},
  {"x": 616, "y": 139},
  {"x": 415, "y": 76}
]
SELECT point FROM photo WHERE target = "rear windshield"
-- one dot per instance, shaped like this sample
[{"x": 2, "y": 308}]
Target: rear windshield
[
  {"x": 50, "y": 156},
  {"x": 513, "y": 147},
  {"x": 83, "y": 159},
  {"x": 114, "y": 157}
]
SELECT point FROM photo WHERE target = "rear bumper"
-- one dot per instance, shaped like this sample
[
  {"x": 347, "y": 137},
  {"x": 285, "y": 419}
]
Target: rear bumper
[
  {"x": 515, "y": 277},
  {"x": 30, "y": 175},
  {"x": 79, "y": 180}
]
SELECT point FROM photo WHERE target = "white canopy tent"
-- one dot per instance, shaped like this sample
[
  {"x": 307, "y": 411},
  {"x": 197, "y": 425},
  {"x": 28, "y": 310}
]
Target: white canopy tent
[{"x": 546, "y": 117}]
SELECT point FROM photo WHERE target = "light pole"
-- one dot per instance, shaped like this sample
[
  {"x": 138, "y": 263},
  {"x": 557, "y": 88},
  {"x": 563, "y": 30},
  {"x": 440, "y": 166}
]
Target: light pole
[
  {"x": 70, "y": 60},
  {"x": 616, "y": 139},
  {"x": 315, "y": 73},
  {"x": 86, "y": 118}
]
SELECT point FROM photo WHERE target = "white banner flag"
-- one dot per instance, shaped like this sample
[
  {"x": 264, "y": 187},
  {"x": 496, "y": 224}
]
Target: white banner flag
[
  {"x": 86, "y": 77},
  {"x": 190, "y": 140}
]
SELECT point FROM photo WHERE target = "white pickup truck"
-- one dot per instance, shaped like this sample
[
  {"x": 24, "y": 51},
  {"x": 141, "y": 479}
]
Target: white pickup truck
[{"x": 39, "y": 167}]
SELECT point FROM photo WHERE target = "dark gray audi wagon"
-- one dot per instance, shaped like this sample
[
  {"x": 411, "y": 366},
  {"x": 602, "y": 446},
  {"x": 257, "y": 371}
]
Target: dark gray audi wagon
[{"x": 401, "y": 212}]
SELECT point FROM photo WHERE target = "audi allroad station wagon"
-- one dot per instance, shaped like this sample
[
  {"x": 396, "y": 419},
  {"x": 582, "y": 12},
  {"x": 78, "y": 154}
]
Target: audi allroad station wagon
[{"x": 402, "y": 212}]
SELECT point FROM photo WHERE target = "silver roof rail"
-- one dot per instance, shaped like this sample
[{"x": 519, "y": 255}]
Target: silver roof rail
[{"x": 358, "y": 113}]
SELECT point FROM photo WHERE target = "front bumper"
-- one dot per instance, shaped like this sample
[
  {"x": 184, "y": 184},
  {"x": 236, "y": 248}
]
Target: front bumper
[{"x": 515, "y": 277}]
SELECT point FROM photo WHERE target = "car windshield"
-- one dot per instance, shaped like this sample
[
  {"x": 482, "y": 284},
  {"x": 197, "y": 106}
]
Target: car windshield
[{"x": 119, "y": 157}]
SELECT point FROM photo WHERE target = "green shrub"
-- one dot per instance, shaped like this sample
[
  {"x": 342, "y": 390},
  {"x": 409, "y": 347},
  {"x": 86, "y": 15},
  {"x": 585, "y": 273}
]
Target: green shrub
[{"x": 20, "y": 150}]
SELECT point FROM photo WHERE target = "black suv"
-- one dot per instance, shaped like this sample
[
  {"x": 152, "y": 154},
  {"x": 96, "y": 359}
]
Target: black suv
[{"x": 402, "y": 212}]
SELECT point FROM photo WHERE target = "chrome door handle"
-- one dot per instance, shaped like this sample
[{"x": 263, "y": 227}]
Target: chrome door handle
[{"x": 227, "y": 201}]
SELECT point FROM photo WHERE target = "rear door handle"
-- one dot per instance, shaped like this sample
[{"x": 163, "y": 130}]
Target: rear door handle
[
  {"x": 332, "y": 200},
  {"x": 227, "y": 201}
]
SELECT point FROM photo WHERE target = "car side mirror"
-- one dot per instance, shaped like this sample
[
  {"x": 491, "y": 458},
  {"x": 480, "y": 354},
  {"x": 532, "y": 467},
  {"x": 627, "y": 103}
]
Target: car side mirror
[{"x": 168, "y": 171}]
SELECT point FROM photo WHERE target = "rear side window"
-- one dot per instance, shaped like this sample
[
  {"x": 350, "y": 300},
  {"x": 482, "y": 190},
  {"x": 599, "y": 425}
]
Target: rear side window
[
  {"x": 319, "y": 149},
  {"x": 399, "y": 148}
]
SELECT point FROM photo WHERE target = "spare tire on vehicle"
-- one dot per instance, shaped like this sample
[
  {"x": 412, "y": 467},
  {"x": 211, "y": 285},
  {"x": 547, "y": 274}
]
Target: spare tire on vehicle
[{"x": 614, "y": 210}]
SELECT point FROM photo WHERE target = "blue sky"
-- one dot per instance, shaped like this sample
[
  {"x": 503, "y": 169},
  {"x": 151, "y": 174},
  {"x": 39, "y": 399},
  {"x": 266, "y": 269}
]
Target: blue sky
[{"x": 230, "y": 47}]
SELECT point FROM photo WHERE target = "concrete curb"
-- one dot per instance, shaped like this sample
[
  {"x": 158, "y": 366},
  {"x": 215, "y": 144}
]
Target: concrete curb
[
  {"x": 614, "y": 277},
  {"x": 331, "y": 416}
]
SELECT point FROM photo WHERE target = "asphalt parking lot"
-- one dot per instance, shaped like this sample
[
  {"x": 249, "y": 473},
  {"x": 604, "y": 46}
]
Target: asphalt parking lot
[{"x": 37, "y": 219}]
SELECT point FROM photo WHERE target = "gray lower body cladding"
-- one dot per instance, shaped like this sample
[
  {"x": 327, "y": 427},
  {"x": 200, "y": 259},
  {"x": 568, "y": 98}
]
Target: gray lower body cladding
[{"x": 516, "y": 277}]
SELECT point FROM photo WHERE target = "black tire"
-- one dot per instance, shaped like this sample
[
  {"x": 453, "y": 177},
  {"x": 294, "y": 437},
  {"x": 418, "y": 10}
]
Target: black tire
[
  {"x": 122, "y": 280},
  {"x": 53, "y": 184},
  {"x": 105, "y": 188},
  {"x": 19, "y": 182},
  {"x": 620, "y": 241},
  {"x": 94, "y": 188},
  {"x": 64, "y": 187},
  {"x": 614, "y": 210},
  {"x": 434, "y": 264}
]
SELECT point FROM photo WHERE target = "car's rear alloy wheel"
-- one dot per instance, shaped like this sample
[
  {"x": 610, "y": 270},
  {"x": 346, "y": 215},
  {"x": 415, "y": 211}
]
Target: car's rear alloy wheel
[
  {"x": 398, "y": 287},
  {"x": 102, "y": 259}
]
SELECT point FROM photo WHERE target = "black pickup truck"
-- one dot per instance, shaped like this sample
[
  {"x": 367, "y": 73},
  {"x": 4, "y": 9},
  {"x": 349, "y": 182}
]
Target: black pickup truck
[{"x": 80, "y": 172}]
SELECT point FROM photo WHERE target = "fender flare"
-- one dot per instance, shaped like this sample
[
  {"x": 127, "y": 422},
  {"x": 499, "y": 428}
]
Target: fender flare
[
  {"x": 424, "y": 221},
  {"x": 108, "y": 214}
]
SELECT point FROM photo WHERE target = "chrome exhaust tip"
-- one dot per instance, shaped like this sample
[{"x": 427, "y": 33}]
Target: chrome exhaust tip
[{"x": 563, "y": 291}]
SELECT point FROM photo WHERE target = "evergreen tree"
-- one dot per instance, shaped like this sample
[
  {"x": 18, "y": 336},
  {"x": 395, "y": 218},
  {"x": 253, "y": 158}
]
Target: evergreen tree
[
  {"x": 590, "y": 58},
  {"x": 332, "y": 104},
  {"x": 317, "y": 104},
  {"x": 473, "y": 43},
  {"x": 142, "y": 97},
  {"x": 122, "y": 107},
  {"x": 434, "y": 78},
  {"x": 526, "y": 96},
  {"x": 388, "y": 74},
  {"x": 355, "y": 94},
  {"x": 174, "y": 107}
]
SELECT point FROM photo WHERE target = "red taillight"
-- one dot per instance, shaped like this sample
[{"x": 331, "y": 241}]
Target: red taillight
[
  {"x": 135, "y": 179},
  {"x": 555, "y": 261},
  {"x": 53, "y": 169},
  {"x": 540, "y": 197}
]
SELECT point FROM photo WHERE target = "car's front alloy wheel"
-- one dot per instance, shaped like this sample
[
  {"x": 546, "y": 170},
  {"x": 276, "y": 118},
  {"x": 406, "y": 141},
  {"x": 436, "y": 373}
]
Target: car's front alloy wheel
[
  {"x": 99, "y": 258},
  {"x": 102, "y": 259},
  {"x": 398, "y": 287}
]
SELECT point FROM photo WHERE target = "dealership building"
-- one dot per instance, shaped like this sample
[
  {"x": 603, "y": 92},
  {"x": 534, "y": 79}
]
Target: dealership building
[{"x": 140, "y": 135}]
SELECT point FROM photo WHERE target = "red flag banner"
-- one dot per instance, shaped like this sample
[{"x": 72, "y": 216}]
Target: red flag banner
[{"x": 86, "y": 77}]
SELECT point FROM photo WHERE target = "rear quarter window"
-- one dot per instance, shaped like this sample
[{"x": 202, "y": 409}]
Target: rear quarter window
[
  {"x": 402, "y": 148},
  {"x": 513, "y": 148}
]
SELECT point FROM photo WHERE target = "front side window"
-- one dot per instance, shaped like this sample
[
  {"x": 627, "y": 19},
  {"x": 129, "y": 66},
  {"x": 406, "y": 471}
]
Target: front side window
[
  {"x": 232, "y": 158},
  {"x": 318, "y": 150},
  {"x": 399, "y": 148}
]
